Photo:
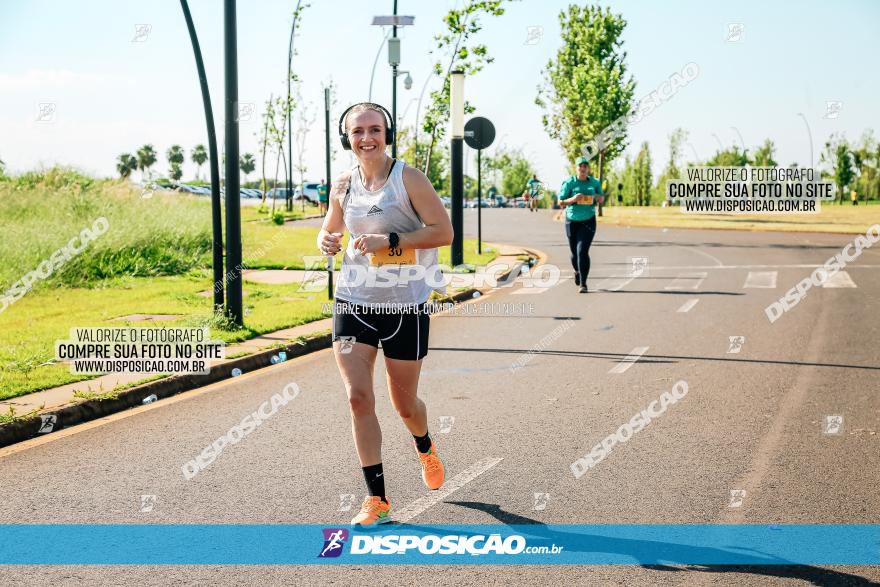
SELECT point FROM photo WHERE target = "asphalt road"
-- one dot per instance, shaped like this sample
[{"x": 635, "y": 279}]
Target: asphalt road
[{"x": 752, "y": 420}]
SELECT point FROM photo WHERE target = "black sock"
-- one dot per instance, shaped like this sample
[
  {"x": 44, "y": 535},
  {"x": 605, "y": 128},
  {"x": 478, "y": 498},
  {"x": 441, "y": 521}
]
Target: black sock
[
  {"x": 423, "y": 443},
  {"x": 375, "y": 481}
]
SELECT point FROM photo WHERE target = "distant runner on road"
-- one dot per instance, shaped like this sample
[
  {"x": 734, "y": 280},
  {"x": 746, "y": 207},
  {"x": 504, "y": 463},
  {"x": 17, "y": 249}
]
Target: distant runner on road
[
  {"x": 396, "y": 221},
  {"x": 532, "y": 193},
  {"x": 579, "y": 195},
  {"x": 323, "y": 196}
]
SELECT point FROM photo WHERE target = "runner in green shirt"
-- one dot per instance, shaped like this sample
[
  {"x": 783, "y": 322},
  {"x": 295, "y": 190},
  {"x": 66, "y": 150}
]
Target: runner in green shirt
[
  {"x": 533, "y": 187},
  {"x": 323, "y": 191},
  {"x": 579, "y": 195}
]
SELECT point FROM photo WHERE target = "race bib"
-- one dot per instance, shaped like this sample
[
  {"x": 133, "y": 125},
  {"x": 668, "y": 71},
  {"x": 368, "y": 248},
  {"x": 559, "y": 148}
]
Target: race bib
[
  {"x": 395, "y": 256},
  {"x": 586, "y": 199}
]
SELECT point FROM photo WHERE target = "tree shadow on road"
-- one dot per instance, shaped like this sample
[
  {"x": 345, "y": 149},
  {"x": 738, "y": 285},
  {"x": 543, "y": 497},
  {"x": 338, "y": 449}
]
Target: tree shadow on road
[
  {"x": 647, "y": 553},
  {"x": 653, "y": 359}
]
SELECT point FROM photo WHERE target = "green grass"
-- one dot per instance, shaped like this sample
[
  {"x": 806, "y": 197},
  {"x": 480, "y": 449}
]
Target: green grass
[
  {"x": 254, "y": 213},
  {"x": 29, "y": 328},
  {"x": 161, "y": 235}
]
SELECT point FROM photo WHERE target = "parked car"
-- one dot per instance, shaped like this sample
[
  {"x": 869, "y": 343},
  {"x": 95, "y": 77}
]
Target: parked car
[
  {"x": 447, "y": 201},
  {"x": 501, "y": 201},
  {"x": 484, "y": 203},
  {"x": 311, "y": 191},
  {"x": 278, "y": 194}
]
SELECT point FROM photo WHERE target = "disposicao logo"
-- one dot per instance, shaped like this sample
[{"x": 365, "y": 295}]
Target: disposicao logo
[{"x": 334, "y": 540}]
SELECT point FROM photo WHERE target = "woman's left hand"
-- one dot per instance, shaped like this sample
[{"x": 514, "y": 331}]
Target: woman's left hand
[
  {"x": 370, "y": 243},
  {"x": 600, "y": 199}
]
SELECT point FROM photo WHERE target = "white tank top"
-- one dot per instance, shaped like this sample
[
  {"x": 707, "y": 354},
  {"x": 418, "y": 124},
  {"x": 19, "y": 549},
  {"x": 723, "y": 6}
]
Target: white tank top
[{"x": 382, "y": 211}]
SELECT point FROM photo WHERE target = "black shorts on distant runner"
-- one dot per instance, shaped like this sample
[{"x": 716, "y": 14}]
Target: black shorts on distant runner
[{"x": 402, "y": 330}]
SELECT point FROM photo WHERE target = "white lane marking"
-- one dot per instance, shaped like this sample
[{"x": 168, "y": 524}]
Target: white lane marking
[
  {"x": 420, "y": 505},
  {"x": 718, "y": 261},
  {"x": 687, "y": 281},
  {"x": 840, "y": 279},
  {"x": 761, "y": 279},
  {"x": 627, "y": 279},
  {"x": 529, "y": 290},
  {"x": 688, "y": 305},
  {"x": 630, "y": 360},
  {"x": 561, "y": 280}
]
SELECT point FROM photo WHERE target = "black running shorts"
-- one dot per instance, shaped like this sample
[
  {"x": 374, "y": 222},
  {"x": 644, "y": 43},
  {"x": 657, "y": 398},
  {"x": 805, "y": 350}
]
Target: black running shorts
[{"x": 401, "y": 330}]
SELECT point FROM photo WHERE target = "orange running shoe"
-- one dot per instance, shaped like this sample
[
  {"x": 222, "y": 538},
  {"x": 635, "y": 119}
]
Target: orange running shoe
[
  {"x": 432, "y": 468},
  {"x": 373, "y": 511}
]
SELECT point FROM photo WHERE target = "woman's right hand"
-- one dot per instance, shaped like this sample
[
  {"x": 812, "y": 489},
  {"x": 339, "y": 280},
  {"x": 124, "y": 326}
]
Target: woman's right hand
[{"x": 331, "y": 243}]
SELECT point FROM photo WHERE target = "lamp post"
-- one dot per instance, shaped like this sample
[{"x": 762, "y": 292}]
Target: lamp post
[
  {"x": 375, "y": 61},
  {"x": 394, "y": 59},
  {"x": 216, "y": 216},
  {"x": 456, "y": 111},
  {"x": 809, "y": 134},
  {"x": 233, "y": 197}
]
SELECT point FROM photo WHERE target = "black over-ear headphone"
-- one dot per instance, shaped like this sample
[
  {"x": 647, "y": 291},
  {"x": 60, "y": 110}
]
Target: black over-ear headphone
[{"x": 389, "y": 125}]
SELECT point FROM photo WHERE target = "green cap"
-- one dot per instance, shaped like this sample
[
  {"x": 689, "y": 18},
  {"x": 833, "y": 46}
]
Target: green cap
[{"x": 582, "y": 160}]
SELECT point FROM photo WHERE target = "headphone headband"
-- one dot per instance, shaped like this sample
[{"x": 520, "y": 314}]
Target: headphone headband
[{"x": 389, "y": 124}]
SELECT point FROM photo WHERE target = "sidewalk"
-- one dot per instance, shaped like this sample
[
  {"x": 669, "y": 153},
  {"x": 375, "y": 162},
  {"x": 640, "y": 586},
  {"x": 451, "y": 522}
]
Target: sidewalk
[{"x": 58, "y": 397}]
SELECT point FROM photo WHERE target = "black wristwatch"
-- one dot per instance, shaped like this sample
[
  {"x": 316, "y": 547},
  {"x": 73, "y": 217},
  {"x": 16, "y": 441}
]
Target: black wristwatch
[{"x": 393, "y": 240}]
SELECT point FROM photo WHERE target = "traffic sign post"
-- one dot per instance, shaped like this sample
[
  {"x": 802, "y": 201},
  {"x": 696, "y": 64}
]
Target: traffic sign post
[{"x": 479, "y": 133}]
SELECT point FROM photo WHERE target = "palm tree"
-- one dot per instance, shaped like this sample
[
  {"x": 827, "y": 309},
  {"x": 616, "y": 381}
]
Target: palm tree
[
  {"x": 199, "y": 156},
  {"x": 125, "y": 165},
  {"x": 176, "y": 171},
  {"x": 247, "y": 164},
  {"x": 175, "y": 159},
  {"x": 146, "y": 158}
]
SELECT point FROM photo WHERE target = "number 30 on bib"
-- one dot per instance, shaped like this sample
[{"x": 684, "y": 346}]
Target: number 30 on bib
[{"x": 393, "y": 256}]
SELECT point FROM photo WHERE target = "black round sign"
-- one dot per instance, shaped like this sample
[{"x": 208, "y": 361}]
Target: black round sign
[{"x": 479, "y": 132}]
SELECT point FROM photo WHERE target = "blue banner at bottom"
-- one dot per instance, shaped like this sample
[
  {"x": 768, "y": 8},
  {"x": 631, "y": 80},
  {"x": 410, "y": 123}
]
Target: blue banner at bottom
[{"x": 259, "y": 544}]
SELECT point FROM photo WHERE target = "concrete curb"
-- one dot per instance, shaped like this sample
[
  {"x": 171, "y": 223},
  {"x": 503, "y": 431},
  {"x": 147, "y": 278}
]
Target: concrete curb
[{"x": 92, "y": 409}]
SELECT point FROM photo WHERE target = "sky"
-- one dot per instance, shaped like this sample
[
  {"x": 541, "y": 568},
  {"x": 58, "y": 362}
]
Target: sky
[{"x": 122, "y": 74}]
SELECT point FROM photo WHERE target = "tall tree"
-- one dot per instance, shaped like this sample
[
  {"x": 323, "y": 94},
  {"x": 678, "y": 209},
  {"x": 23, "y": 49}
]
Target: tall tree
[
  {"x": 587, "y": 87},
  {"x": 516, "y": 175},
  {"x": 174, "y": 155},
  {"x": 125, "y": 165},
  {"x": 763, "y": 156},
  {"x": 146, "y": 158},
  {"x": 199, "y": 156},
  {"x": 672, "y": 171},
  {"x": 460, "y": 25},
  {"x": 732, "y": 157},
  {"x": 642, "y": 175},
  {"x": 247, "y": 164},
  {"x": 866, "y": 159},
  {"x": 305, "y": 120},
  {"x": 838, "y": 157},
  {"x": 411, "y": 152}
]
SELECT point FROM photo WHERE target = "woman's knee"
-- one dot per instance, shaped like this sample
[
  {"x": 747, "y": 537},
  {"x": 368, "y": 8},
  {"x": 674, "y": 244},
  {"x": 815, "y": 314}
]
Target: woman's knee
[
  {"x": 407, "y": 407},
  {"x": 361, "y": 401}
]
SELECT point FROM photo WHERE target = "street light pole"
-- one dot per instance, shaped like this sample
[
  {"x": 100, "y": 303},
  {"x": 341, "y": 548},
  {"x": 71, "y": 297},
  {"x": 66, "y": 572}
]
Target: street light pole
[
  {"x": 327, "y": 183},
  {"x": 375, "y": 61},
  {"x": 394, "y": 87},
  {"x": 456, "y": 110},
  {"x": 233, "y": 197},
  {"x": 216, "y": 214},
  {"x": 809, "y": 134}
]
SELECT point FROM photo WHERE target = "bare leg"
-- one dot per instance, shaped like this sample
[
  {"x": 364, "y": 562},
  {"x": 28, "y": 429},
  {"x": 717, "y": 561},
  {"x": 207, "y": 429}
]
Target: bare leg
[
  {"x": 356, "y": 368},
  {"x": 403, "y": 386}
]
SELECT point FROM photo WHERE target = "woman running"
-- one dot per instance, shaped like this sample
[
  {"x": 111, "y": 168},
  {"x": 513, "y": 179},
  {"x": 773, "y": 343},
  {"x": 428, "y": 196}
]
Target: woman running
[
  {"x": 396, "y": 221},
  {"x": 579, "y": 195}
]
